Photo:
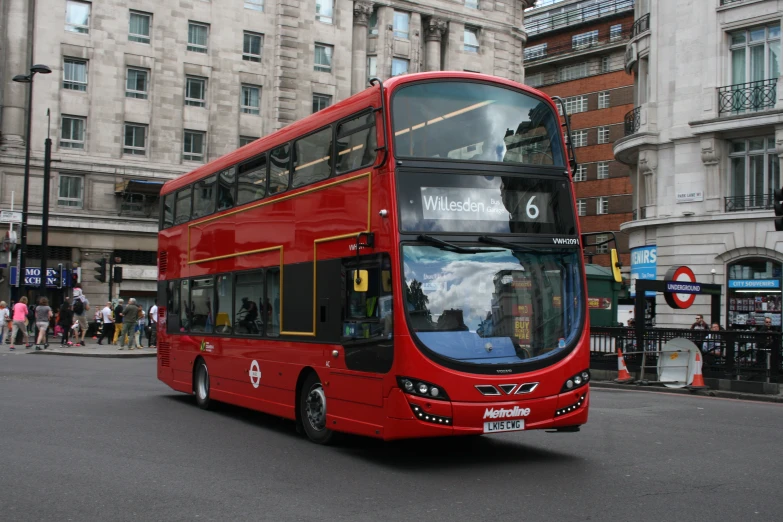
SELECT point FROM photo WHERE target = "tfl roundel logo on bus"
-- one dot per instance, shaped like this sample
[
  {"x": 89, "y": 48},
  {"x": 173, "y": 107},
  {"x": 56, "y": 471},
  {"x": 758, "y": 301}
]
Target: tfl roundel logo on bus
[{"x": 681, "y": 287}]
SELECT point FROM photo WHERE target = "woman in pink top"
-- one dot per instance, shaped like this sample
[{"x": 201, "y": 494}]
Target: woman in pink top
[{"x": 18, "y": 318}]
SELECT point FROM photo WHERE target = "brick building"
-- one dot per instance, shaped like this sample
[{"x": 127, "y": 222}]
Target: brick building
[
  {"x": 145, "y": 90},
  {"x": 575, "y": 50}
]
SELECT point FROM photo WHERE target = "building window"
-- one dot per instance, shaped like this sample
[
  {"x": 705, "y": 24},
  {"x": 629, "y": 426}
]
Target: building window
[
  {"x": 198, "y": 37},
  {"x": 584, "y": 40},
  {"x": 252, "y": 45},
  {"x": 602, "y": 206},
  {"x": 70, "y": 193},
  {"x": 581, "y": 173},
  {"x": 755, "y": 54},
  {"x": 324, "y": 11},
  {"x": 534, "y": 80},
  {"x": 323, "y": 57},
  {"x": 603, "y": 100},
  {"x": 574, "y": 104},
  {"x": 135, "y": 139},
  {"x": 72, "y": 133},
  {"x": 399, "y": 66},
  {"x": 606, "y": 64},
  {"x": 616, "y": 33},
  {"x": 139, "y": 27},
  {"x": 372, "y": 25},
  {"x": 602, "y": 248},
  {"x": 246, "y": 140},
  {"x": 603, "y": 135},
  {"x": 471, "y": 44},
  {"x": 251, "y": 100},
  {"x": 572, "y": 72},
  {"x": 603, "y": 170},
  {"x": 136, "y": 84},
  {"x": 755, "y": 173},
  {"x": 580, "y": 138},
  {"x": 401, "y": 24},
  {"x": 535, "y": 52},
  {"x": 196, "y": 92},
  {"x": 77, "y": 16},
  {"x": 321, "y": 101},
  {"x": 581, "y": 207},
  {"x": 75, "y": 75},
  {"x": 372, "y": 66},
  {"x": 193, "y": 146},
  {"x": 255, "y": 5},
  {"x": 472, "y": 4}
]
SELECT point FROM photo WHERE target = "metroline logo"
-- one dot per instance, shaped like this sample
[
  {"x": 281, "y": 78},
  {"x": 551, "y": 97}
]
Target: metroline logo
[{"x": 516, "y": 411}]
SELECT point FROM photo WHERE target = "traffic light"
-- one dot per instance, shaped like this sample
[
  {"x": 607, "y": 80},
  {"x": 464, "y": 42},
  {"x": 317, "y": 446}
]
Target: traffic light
[
  {"x": 101, "y": 269},
  {"x": 778, "y": 195},
  {"x": 58, "y": 276},
  {"x": 117, "y": 275}
]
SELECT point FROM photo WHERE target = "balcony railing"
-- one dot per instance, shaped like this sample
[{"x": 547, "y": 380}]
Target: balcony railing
[
  {"x": 633, "y": 121},
  {"x": 640, "y": 26},
  {"x": 747, "y": 97},
  {"x": 557, "y": 19},
  {"x": 754, "y": 202},
  {"x": 641, "y": 213}
]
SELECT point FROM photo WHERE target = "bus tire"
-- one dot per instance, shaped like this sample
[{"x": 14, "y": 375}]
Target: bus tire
[
  {"x": 201, "y": 385},
  {"x": 312, "y": 410}
]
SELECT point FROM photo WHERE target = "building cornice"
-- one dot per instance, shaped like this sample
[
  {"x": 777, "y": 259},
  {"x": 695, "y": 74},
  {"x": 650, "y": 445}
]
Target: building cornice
[{"x": 700, "y": 219}]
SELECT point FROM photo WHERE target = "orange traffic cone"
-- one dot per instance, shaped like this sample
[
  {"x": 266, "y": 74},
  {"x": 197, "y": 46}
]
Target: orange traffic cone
[
  {"x": 698, "y": 378},
  {"x": 622, "y": 370}
]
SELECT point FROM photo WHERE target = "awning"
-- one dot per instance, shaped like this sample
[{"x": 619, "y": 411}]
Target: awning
[{"x": 139, "y": 186}]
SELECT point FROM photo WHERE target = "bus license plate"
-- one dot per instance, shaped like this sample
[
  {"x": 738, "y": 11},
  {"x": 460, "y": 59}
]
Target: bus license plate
[{"x": 508, "y": 425}]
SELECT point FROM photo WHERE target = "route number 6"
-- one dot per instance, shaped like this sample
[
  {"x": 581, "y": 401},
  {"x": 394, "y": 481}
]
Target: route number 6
[{"x": 531, "y": 209}]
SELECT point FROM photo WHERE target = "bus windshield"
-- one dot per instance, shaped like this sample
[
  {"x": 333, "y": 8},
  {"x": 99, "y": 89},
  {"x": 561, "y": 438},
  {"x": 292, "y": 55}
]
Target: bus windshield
[
  {"x": 485, "y": 305},
  {"x": 475, "y": 121}
]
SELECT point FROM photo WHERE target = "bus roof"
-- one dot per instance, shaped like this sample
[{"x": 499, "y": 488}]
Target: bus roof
[{"x": 357, "y": 102}]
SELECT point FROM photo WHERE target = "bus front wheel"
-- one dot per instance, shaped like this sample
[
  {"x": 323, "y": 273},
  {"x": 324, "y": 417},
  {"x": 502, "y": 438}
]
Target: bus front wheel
[
  {"x": 312, "y": 411},
  {"x": 201, "y": 385}
]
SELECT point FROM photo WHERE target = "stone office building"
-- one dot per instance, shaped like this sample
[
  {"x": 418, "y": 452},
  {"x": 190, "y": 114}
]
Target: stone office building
[
  {"x": 704, "y": 142},
  {"x": 142, "y": 91}
]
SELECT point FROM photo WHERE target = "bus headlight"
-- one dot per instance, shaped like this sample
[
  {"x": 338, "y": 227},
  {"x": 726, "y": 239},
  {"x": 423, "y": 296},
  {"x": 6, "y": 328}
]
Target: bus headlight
[
  {"x": 421, "y": 388},
  {"x": 576, "y": 381}
]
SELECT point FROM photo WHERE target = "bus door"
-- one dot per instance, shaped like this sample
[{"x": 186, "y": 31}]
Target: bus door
[{"x": 366, "y": 348}]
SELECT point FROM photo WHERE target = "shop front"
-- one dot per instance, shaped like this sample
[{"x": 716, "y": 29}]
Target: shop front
[{"x": 754, "y": 293}]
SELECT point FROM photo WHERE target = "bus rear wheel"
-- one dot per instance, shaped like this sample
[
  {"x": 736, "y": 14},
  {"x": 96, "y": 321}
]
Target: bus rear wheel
[
  {"x": 312, "y": 411},
  {"x": 201, "y": 385}
]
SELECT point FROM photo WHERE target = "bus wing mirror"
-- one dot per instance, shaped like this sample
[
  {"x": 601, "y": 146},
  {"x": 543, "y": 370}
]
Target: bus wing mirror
[
  {"x": 616, "y": 265},
  {"x": 386, "y": 278},
  {"x": 360, "y": 280}
]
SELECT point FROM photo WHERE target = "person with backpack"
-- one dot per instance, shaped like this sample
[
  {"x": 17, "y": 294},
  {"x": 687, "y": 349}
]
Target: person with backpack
[
  {"x": 65, "y": 321},
  {"x": 80, "y": 307},
  {"x": 129, "y": 317}
]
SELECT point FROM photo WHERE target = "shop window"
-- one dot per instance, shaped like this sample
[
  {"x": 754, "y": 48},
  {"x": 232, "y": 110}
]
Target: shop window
[{"x": 754, "y": 294}]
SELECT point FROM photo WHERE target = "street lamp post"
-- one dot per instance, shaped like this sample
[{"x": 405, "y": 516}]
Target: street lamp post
[{"x": 27, "y": 78}]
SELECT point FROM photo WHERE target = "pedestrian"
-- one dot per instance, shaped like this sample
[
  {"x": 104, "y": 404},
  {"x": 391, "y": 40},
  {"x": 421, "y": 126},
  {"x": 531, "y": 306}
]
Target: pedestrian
[
  {"x": 108, "y": 324},
  {"x": 4, "y": 318},
  {"x": 153, "y": 319},
  {"x": 712, "y": 343},
  {"x": 42, "y": 316},
  {"x": 80, "y": 307},
  {"x": 31, "y": 329},
  {"x": 118, "y": 319},
  {"x": 700, "y": 324},
  {"x": 129, "y": 315},
  {"x": 65, "y": 321},
  {"x": 19, "y": 317},
  {"x": 139, "y": 330}
]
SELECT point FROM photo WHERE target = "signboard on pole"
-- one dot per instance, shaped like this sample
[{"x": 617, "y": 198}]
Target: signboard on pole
[
  {"x": 10, "y": 216},
  {"x": 32, "y": 277}
]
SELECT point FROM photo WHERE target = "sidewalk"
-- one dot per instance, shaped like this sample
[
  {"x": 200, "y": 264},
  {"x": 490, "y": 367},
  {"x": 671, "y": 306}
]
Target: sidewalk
[
  {"x": 92, "y": 349},
  {"x": 607, "y": 385}
]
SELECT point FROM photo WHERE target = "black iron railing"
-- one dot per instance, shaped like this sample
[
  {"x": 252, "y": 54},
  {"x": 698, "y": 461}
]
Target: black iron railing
[
  {"x": 640, "y": 26},
  {"x": 731, "y": 354},
  {"x": 641, "y": 213},
  {"x": 753, "y": 202},
  {"x": 747, "y": 97},
  {"x": 633, "y": 121},
  {"x": 560, "y": 19}
]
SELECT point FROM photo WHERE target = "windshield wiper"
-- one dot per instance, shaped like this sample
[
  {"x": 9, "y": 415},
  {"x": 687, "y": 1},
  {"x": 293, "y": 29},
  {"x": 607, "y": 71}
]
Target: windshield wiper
[
  {"x": 510, "y": 246},
  {"x": 451, "y": 246}
]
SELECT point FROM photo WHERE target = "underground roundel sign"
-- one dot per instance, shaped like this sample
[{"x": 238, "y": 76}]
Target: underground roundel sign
[{"x": 681, "y": 287}]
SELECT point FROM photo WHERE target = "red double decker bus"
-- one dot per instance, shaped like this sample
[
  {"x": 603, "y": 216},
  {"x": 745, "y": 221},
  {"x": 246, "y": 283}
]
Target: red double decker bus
[{"x": 405, "y": 263}]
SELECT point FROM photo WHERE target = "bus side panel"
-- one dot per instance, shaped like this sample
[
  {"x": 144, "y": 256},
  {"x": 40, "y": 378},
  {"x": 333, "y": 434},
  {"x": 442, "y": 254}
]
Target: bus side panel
[{"x": 342, "y": 416}]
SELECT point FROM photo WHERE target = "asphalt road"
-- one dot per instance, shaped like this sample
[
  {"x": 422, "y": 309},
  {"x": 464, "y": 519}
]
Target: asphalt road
[{"x": 101, "y": 439}]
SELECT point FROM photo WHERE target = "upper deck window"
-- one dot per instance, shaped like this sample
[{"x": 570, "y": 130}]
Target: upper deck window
[{"x": 474, "y": 121}]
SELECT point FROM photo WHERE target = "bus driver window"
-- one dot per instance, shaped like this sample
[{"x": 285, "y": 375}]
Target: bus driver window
[{"x": 367, "y": 305}]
